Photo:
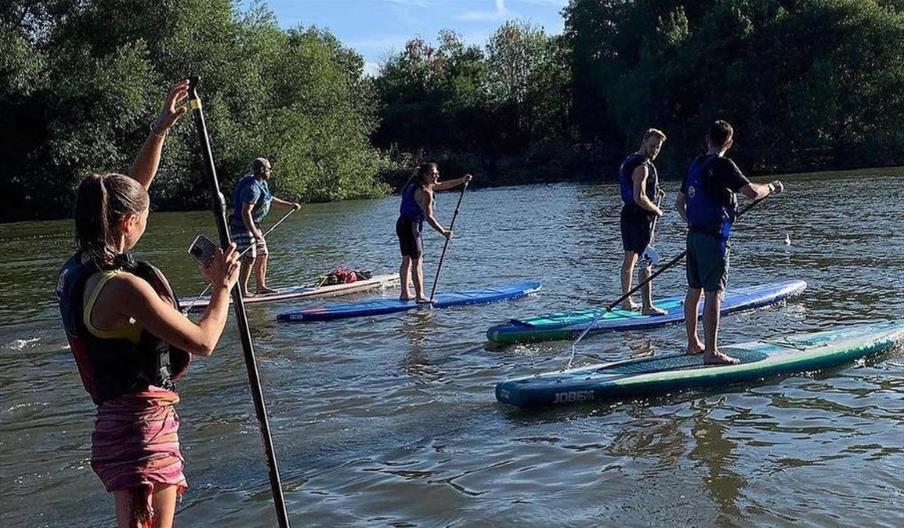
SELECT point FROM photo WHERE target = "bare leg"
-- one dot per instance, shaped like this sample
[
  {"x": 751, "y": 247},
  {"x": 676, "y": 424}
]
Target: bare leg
[
  {"x": 405, "y": 278},
  {"x": 691, "y": 302},
  {"x": 260, "y": 272},
  {"x": 164, "y": 501},
  {"x": 711, "y": 330},
  {"x": 646, "y": 293},
  {"x": 418, "y": 276},
  {"x": 245, "y": 274},
  {"x": 627, "y": 276}
]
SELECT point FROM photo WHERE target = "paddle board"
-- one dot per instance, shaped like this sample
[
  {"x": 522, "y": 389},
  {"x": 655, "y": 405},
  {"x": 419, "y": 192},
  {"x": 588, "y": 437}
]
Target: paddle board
[
  {"x": 386, "y": 306},
  {"x": 674, "y": 372},
  {"x": 303, "y": 292},
  {"x": 570, "y": 324}
]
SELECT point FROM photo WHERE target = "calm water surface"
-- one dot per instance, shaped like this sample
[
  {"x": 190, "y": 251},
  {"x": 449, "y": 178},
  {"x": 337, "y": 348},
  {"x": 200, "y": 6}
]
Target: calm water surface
[{"x": 392, "y": 421}]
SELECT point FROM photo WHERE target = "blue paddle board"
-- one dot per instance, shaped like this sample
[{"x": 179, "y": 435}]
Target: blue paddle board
[
  {"x": 387, "y": 306},
  {"x": 570, "y": 324},
  {"x": 678, "y": 371}
]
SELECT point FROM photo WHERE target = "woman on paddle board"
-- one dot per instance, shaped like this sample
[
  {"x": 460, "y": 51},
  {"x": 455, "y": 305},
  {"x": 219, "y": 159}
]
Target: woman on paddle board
[
  {"x": 129, "y": 339},
  {"x": 417, "y": 206}
]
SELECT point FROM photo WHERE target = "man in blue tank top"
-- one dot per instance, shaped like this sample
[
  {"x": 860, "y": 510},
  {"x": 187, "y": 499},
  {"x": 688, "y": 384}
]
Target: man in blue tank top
[
  {"x": 708, "y": 204},
  {"x": 639, "y": 186},
  {"x": 252, "y": 199}
]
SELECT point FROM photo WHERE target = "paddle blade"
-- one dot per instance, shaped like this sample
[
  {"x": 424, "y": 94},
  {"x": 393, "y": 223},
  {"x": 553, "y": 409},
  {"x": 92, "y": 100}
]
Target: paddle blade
[{"x": 650, "y": 256}]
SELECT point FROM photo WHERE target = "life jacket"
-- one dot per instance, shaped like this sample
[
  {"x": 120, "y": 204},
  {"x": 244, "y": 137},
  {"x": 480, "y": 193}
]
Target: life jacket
[
  {"x": 705, "y": 213},
  {"x": 111, "y": 367},
  {"x": 409, "y": 209},
  {"x": 626, "y": 182}
]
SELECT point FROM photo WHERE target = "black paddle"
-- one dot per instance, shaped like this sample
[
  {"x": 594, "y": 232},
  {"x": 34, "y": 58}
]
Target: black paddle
[
  {"x": 658, "y": 272},
  {"x": 218, "y": 205},
  {"x": 446, "y": 245}
]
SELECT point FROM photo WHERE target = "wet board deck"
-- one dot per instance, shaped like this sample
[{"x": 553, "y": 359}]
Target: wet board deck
[
  {"x": 304, "y": 292},
  {"x": 387, "y": 306},
  {"x": 673, "y": 372},
  {"x": 570, "y": 324}
]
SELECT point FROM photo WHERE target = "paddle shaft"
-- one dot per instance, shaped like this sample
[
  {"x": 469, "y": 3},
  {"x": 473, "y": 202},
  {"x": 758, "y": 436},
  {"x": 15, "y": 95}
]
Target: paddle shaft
[
  {"x": 657, "y": 273},
  {"x": 246, "y": 250},
  {"x": 442, "y": 257},
  {"x": 659, "y": 195},
  {"x": 218, "y": 205}
]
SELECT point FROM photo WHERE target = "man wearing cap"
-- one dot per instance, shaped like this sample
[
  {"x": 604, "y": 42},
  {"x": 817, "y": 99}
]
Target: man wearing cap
[{"x": 252, "y": 199}]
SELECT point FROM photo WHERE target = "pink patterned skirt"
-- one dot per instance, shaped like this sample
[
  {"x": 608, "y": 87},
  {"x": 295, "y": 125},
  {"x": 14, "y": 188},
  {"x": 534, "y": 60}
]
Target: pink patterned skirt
[{"x": 135, "y": 446}]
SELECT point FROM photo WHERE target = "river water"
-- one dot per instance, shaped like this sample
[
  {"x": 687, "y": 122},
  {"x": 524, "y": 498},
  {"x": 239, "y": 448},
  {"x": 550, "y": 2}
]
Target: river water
[{"x": 392, "y": 421}]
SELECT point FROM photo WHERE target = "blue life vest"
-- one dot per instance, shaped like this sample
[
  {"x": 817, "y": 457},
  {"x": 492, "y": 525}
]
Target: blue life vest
[
  {"x": 705, "y": 214},
  {"x": 409, "y": 209},
  {"x": 111, "y": 367},
  {"x": 626, "y": 182},
  {"x": 261, "y": 206}
]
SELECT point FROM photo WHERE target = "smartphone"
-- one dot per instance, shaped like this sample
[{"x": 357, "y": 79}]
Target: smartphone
[{"x": 203, "y": 250}]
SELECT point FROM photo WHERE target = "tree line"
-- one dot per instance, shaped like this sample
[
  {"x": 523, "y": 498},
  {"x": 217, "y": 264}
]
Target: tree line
[{"x": 808, "y": 85}]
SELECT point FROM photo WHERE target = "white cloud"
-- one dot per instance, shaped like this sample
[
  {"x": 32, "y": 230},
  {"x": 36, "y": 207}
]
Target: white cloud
[
  {"x": 501, "y": 13},
  {"x": 371, "y": 68}
]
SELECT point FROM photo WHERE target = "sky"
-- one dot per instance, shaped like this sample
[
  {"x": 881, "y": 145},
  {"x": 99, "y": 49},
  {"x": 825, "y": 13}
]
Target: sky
[{"x": 377, "y": 28}]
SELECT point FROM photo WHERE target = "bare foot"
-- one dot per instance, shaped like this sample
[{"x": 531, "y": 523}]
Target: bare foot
[
  {"x": 405, "y": 298},
  {"x": 263, "y": 290},
  {"x": 630, "y": 305},
  {"x": 718, "y": 358},
  {"x": 653, "y": 310},
  {"x": 247, "y": 294},
  {"x": 424, "y": 300},
  {"x": 694, "y": 347}
]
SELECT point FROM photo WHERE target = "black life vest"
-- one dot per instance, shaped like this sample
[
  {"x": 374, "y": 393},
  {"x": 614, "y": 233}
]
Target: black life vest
[
  {"x": 626, "y": 183},
  {"x": 111, "y": 367}
]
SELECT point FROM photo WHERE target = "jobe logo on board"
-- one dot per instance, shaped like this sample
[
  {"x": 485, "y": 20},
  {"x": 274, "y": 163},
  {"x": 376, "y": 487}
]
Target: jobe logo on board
[{"x": 573, "y": 396}]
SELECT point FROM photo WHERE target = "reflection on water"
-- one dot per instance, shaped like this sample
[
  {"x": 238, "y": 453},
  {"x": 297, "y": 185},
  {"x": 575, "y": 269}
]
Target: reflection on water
[{"x": 391, "y": 421}]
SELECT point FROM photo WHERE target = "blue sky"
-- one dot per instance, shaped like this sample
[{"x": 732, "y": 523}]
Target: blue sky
[{"x": 376, "y": 28}]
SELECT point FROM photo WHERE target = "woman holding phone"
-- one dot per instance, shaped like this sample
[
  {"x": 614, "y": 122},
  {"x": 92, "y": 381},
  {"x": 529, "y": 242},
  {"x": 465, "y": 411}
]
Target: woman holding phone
[{"x": 129, "y": 339}]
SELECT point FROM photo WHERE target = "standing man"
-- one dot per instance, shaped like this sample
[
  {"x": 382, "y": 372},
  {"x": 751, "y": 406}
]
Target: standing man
[
  {"x": 252, "y": 199},
  {"x": 708, "y": 204},
  {"x": 639, "y": 184}
]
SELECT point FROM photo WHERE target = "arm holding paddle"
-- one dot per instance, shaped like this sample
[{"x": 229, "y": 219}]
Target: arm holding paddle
[
  {"x": 285, "y": 203},
  {"x": 451, "y": 184},
  {"x": 639, "y": 178},
  {"x": 756, "y": 191},
  {"x": 425, "y": 200},
  {"x": 247, "y": 207},
  {"x": 144, "y": 168}
]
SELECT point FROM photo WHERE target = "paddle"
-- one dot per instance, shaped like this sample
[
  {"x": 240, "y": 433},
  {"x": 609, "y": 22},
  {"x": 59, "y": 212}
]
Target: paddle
[
  {"x": 218, "y": 205},
  {"x": 650, "y": 255},
  {"x": 446, "y": 245},
  {"x": 658, "y": 272},
  {"x": 246, "y": 250}
]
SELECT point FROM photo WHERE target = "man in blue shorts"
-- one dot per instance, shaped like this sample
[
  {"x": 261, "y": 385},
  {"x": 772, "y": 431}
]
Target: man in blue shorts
[
  {"x": 708, "y": 204},
  {"x": 639, "y": 187},
  {"x": 252, "y": 199}
]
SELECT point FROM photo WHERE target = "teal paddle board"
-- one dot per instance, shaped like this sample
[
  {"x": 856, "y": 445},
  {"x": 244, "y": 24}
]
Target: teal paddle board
[
  {"x": 674, "y": 372},
  {"x": 571, "y": 323}
]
